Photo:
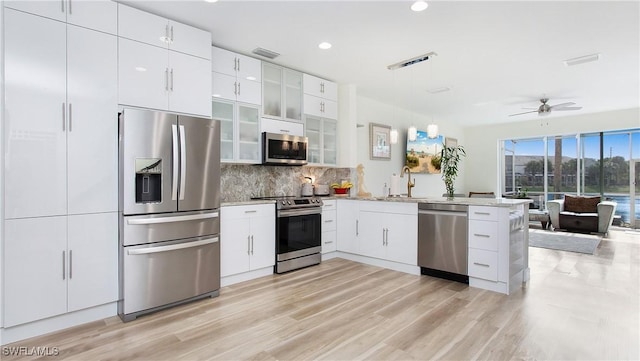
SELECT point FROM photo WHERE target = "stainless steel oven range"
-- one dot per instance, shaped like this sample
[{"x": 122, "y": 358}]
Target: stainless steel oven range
[{"x": 298, "y": 232}]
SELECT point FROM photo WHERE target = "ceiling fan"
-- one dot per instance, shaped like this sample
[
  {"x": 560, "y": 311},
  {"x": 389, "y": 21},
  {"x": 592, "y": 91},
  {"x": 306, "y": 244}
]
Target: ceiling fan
[{"x": 545, "y": 108}]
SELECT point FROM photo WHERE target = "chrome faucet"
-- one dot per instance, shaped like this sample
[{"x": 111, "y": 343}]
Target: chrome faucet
[{"x": 410, "y": 185}]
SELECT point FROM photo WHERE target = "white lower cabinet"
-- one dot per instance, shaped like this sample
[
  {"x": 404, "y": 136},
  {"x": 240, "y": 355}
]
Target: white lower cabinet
[
  {"x": 497, "y": 241},
  {"x": 54, "y": 265},
  {"x": 247, "y": 238},
  {"x": 390, "y": 236},
  {"x": 384, "y": 230},
  {"x": 329, "y": 232},
  {"x": 348, "y": 226}
]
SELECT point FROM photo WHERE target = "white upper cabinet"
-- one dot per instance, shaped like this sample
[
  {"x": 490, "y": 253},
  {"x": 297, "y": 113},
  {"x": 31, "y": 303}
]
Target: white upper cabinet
[
  {"x": 320, "y": 88},
  {"x": 143, "y": 75},
  {"x": 98, "y": 15},
  {"x": 163, "y": 64},
  {"x": 282, "y": 92},
  {"x": 320, "y": 97},
  {"x": 35, "y": 125},
  {"x": 236, "y": 77},
  {"x": 155, "y": 30},
  {"x": 92, "y": 138},
  {"x": 60, "y": 84}
]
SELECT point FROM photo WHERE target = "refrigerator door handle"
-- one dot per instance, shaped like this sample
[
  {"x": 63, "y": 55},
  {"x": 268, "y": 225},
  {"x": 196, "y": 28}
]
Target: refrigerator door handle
[
  {"x": 183, "y": 163},
  {"x": 174, "y": 150},
  {"x": 172, "y": 247},
  {"x": 156, "y": 220}
]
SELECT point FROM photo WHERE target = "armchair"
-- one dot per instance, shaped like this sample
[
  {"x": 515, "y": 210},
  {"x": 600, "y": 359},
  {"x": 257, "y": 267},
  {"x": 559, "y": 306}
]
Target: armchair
[{"x": 583, "y": 214}]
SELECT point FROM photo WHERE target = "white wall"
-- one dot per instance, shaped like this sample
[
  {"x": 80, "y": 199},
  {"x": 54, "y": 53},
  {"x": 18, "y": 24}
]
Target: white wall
[
  {"x": 377, "y": 172},
  {"x": 481, "y": 163}
]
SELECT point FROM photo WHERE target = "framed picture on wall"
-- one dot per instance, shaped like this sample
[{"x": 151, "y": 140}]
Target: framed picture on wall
[{"x": 379, "y": 141}]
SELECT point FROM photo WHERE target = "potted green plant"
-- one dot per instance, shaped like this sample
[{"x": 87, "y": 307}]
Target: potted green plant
[{"x": 449, "y": 160}]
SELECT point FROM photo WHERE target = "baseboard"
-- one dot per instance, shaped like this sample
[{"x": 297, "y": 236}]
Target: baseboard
[
  {"x": 57, "y": 323},
  {"x": 246, "y": 276},
  {"x": 400, "y": 267}
]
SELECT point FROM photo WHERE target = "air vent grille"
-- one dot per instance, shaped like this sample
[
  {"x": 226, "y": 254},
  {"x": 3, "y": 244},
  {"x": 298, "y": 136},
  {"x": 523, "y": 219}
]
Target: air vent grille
[
  {"x": 414, "y": 60},
  {"x": 265, "y": 53}
]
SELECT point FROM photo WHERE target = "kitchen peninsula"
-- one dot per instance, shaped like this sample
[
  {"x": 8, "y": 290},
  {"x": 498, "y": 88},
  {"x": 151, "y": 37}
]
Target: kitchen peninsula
[{"x": 384, "y": 232}]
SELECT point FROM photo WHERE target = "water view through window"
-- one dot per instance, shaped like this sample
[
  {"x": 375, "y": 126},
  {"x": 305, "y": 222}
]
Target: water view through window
[{"x": 605, "y": 164}]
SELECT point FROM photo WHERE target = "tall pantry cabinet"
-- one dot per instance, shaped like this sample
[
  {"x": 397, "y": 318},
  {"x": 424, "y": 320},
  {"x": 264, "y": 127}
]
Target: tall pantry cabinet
[{"x": 60, "y": 159}]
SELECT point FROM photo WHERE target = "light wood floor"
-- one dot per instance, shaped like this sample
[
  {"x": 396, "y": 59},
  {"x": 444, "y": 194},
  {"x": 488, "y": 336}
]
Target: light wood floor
[{"x": 575, "y": 307}]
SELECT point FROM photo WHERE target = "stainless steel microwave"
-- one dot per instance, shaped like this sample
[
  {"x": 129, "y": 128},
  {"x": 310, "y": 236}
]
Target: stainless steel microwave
[{"x": 284, "y": 149}]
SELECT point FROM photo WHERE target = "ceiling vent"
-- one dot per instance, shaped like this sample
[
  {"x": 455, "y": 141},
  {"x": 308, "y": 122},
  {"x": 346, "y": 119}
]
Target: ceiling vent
[
  {"x": 582, "y": 59},
  {"x": 415, "y": 60},
  {"x": 266, "y": 53}
]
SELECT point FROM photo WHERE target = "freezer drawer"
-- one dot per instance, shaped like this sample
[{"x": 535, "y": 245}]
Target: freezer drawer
[
  {"x": 163, "y": 274},
  {"x": 154, "y": 228}
]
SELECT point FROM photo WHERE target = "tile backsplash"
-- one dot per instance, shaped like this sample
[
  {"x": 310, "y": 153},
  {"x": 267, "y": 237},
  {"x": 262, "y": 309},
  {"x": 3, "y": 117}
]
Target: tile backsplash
[{"x": 240, "y": 182}]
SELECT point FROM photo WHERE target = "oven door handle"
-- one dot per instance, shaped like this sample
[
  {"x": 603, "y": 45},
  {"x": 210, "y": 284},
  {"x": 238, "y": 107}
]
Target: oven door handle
[
  {"x": 298, "y": 212},
  {"x": 172, "y": 247}
]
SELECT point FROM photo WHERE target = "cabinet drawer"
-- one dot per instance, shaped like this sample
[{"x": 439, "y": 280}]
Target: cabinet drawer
[
  {"x": 483, "y": 235},
  {"x": 328, "y": 204},
  {"x": 250, "y": 211},
  {"x": 483, "y": 264},
  {"x": 328, "y": 241},
  {"x": 483, "y": 213},
  {"x": 328, "y": 221}
]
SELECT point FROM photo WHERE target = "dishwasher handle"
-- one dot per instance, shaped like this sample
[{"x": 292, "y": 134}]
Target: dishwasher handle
[{"x": 444, "y": 213}]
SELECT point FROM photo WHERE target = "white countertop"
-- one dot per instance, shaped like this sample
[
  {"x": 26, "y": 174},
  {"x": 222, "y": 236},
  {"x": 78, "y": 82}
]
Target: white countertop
[{"x": 491, "y": 202}]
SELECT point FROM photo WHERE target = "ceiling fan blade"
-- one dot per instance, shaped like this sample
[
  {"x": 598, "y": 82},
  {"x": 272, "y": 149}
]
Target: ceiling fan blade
[
  {"x": 562, "y": 105},
  {"x": 567, "y": 108},
  {"x": 533, "y": 111},
  {"x": 530, "y": 108}
]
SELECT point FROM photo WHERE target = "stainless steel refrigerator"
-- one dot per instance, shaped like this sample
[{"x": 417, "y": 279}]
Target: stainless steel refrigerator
[{"x": 169, "y": 210}]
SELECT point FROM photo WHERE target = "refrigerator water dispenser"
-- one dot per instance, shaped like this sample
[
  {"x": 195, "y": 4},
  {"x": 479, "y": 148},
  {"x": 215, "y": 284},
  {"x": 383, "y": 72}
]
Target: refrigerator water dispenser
[{"x": 148, "y": 180}]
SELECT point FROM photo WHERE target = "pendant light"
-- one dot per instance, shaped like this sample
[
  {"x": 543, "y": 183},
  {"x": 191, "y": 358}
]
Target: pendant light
[
  {"x": 412, "y": 133},
  {"x": 432, "y": 131},
  {"x": 393, "y": 135}
]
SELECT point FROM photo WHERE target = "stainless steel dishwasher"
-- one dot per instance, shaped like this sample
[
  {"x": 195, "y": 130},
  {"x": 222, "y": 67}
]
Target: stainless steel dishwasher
[{"x": 442, "y": 240}]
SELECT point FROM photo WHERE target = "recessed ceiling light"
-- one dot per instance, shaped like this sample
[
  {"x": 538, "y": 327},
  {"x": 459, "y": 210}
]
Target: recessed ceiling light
[
  {"x": 251, "y": 78},
  {"x": 216, "y": 95},
  {"x": 324, "y": 45},
  {"x": 419, "y": 5},
  {"x": 140, "y": 68},
  {"x": 211, "y": 1},
  {"x": 582, "y": 59}
]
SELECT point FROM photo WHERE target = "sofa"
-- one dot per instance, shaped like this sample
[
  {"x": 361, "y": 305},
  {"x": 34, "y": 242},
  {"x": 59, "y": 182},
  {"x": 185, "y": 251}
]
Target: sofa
[{"x": 581, "y": 214}]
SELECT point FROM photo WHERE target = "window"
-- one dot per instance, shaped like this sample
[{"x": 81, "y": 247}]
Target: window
[{"x": 605, "y": 164}]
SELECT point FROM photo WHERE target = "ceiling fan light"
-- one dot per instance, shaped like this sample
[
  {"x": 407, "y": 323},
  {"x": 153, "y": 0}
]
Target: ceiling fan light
[
  {"x": 432, "y": 131},
  {"x": 412, "y": 133}
]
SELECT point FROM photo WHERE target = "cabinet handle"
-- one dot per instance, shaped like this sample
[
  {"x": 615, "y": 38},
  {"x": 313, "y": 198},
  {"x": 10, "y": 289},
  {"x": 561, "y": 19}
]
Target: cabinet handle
[
  {"x": 64, "y": 270},
  {"x": 252, "y": 211},
  {"x": 70, "y": 12},
  {"x": 238, "y": 64},
  {"x": 387, "y": 237},
  {"x": 235, "y": 64},
  {"x": 70, "y": 124},
  {"x": 166, "y": 79},
  {"x": 252, "y": 244},
  {"x": 171, "y": 79},
  {"x": 482, "y": 213},
  {"x": 166, "y": 33},
  {"x": 239, "y": 88},
  {"x": 62, "y": 3},
  {"x": 235, "y": 88},
  {"x": 356, "y": 227},
  {"x": 284, "y": 131},
  {"x": 328, "y": 221},
  {"x": 321, "y": 87},
  {"x": 248, "y": 244},
  {"x": 328, "y": 242},
  {"x": 171, "y": 33},
  {"x": 481, "y": 264},
  {"x": 482, "y": 235},
  {"x": 70, "y": 264},
  {"x": 64, "y": 120}
]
